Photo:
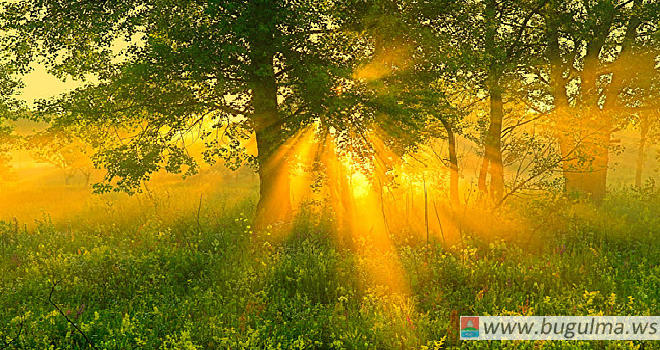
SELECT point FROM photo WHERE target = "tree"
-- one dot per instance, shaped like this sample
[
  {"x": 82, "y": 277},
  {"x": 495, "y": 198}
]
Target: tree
[
  {"x": 421, "y": 68},
  {"x": 506, "y": 39},
  {"x": 62, "y": 149},
  {"x": 10, "y": 109},
  {"x": 594, "y": 49},
  {"x": 6, "y": 143},
  {"x": 228, "y": 69},
  {"x": 484, "y": 44}
]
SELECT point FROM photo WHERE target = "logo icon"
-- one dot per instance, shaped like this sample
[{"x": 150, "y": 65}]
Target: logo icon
[{"x": 469, "y": 327}]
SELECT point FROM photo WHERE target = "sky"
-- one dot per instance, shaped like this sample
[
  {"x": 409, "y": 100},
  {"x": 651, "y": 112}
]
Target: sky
[{"x": 39, "y": 84}]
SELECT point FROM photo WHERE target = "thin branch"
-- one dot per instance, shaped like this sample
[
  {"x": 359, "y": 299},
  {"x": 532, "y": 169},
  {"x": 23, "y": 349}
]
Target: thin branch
[
  {"x": 199, "y": 209},
  {"x": 512, "y": 50},
  {"x": 20, "y": 330},
  {"x": 509, "y": 129},
  {"x": 520, "y": 185},
  {"x": 50, "y": 301},
  {"x": 189, "y": 103},
  {"x": 624, "y": 4}
]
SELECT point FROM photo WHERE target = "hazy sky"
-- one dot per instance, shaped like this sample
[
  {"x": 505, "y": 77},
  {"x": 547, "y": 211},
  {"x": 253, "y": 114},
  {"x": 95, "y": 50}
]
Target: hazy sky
[{"x": 39, "y": 84}]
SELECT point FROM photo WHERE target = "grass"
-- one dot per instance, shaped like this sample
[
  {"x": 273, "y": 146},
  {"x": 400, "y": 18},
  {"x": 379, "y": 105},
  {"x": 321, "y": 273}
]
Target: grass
[{"x": 213, "y": 283}]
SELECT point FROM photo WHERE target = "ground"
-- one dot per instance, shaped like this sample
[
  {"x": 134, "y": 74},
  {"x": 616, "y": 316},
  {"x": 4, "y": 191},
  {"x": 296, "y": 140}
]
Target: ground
[
  {"x": 180, "y": 267},
  {"x": 209, "y": 281}
]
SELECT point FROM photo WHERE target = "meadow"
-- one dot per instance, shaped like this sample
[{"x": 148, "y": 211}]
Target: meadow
[
  {"x": 180, "y": 266},
  {"x": 195, "y": 275},
  {"x": 325, "y": 174}
]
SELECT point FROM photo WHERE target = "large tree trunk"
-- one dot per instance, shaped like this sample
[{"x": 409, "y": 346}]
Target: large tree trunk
[
  {"x": 594, "y": 181},
  {"x": 584, "y": 135},
  {"x": 492, "y": 161},
  {"x": 453, "y": 163},
  {"x": 585, "y": 152},
  {"x": 495, "y": 134},
  {"x": 566, "y": 127},
  {"x": 590, "y": 169},
  {"x": 641, "y": 151},
  {"x": 573, "y": 127},
  {"x": 605, "y": 117},
  {"x": 274, "y": 188}
]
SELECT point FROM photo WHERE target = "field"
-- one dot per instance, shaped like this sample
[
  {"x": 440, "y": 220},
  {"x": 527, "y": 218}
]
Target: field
[
  {"x": 180, "y": 267},
  {"x": 198, "y": 277},
  {"x": 329, "y": 174}
]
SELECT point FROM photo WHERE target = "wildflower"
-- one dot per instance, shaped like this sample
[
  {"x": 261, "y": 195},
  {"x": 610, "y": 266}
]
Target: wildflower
[{"x": 410, "y": 322}]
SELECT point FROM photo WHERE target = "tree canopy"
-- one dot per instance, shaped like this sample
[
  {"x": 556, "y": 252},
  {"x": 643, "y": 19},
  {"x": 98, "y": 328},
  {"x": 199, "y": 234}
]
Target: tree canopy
[{"x": 234, "y": 72}]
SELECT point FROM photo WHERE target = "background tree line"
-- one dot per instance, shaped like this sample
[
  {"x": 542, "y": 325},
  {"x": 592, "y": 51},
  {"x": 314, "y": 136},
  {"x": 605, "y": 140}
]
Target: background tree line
[{"x": 540, "y": 86}]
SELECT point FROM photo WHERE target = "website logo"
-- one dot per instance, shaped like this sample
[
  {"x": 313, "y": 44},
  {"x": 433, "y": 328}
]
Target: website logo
[
  {"x": 560, "y": 328},
  {"x": 469, "y": 327}
]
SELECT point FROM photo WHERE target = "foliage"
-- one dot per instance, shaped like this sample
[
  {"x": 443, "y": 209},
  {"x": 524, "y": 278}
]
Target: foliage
[
  {"x": 63, "y": 149},
  {"x": 6, "y": 144},
  {"x": 201, "y": 77},
  {"x": 10, "y": 109}
]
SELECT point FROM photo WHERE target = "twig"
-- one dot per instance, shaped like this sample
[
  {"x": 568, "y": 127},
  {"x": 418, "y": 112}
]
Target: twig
[
  {"x": 382, "y": 206},
  {"x": 442, "y": 231},
  {"x": 426, "y": 211},
  {"x": 199, "y": 209},
  {"x": 20, "y": 330},
  {"x": 50, "y": 300}
]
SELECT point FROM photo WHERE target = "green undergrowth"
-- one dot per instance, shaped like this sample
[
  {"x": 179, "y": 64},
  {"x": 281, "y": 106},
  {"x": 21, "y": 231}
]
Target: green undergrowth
[{"x": 221, "y": 285}]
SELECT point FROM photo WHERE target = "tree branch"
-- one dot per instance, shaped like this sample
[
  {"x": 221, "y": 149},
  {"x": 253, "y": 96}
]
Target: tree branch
[
  {"x": 50, "y": 301},
  {"x": 20, "y": 330}
]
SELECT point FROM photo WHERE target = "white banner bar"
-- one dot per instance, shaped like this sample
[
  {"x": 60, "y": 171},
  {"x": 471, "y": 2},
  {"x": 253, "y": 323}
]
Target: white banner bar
[{"x": 560, "y": 327}]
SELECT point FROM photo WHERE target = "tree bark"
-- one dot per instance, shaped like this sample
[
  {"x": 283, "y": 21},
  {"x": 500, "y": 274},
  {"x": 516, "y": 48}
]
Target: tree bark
[
  {"x": 453, "y": 163},
  {"x": 641, "y": 151},
  {"x": 492, "y": 162},
  {"x": 274, "y": 188},
  {"x": 565, "y": 126},
  {"x": 585, "y": 152},
  {"x": 594, "y": 182},
  {"x": 583, "y": 131},
  {"x": 495, "y": 134}
]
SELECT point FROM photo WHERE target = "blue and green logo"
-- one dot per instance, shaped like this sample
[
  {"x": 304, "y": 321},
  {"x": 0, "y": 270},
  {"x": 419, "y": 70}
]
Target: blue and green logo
[{"x": 469, "y": 327}]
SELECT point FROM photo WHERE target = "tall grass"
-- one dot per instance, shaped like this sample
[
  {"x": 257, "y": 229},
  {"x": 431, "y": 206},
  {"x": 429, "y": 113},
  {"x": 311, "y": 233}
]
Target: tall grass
[{"x": 206, "y": 280}]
